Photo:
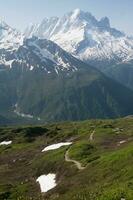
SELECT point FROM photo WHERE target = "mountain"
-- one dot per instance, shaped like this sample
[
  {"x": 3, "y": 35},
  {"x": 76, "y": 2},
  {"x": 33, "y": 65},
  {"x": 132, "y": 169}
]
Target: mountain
[
  {"x": 42, "y": 82},
  {"x": 91, "y": 40},
  {"x": 80, "y": 33},
  {"x": 10, "y": 39}
]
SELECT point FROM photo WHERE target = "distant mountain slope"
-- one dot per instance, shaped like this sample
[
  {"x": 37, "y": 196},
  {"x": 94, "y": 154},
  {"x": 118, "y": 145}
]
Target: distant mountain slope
[
  {"x": 4, "y": 121},
  {"x": 42, "y": 81},
  {"x": 122, "y": 72}
]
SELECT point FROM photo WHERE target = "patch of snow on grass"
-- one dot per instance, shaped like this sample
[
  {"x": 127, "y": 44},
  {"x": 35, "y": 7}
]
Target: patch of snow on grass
[
  {"x": 122, "y": 142},
  {"x": 47, "y": 182},
  {"x": 5, "y": 143},
  {"x": 56, "y": 146}
]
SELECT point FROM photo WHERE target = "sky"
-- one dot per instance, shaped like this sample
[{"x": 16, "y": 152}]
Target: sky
[{"x": 19, "y": 13}]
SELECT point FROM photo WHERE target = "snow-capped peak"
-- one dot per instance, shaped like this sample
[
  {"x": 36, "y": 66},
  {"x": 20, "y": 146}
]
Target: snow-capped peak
[
  {"x": 81, "y": 17},
  {"x": 86, "y": 37},
  {"x": 75, "y": 13},
  {"x": 77, "y": 32},
  {"x": 10, "y": 38}
]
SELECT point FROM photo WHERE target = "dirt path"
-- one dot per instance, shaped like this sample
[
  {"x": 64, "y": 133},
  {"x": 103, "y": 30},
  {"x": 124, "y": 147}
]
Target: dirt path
[
  {"x": 78, "y": 164},
  {"x": 92, "y": 136}
]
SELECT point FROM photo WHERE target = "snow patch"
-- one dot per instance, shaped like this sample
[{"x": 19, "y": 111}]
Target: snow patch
[
  {"x": 122, "y": 142},
  {"x": 5, "y": 143},
  {"x": 23, "y": 115},
  {"x": 5, "y": 62},
  {"x": 9, "y": 63},
  {"x": 47, "y": 182},
  {"x": 31, "y": 68},
  {"x": 56, "y": 146},
  {"x": 20, "y": 114},
  {"x": 63, "y": 64}
]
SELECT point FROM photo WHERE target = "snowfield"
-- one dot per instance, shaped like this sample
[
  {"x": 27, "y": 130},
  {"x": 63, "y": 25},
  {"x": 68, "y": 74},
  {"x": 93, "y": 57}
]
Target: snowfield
[
  {"x": 5, "y": 143},
  {"x": 56, "y": 146},
  {"x": 47, "y": 182}
]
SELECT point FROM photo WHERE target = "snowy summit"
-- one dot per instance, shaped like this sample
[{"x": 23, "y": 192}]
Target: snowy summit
[{"x": 87, "y": 38}]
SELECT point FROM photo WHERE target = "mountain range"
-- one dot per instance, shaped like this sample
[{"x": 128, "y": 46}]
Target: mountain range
[
  {"x": 65, "y": 68},
  {"x": 91, "y": 40},
  {"x": 81, "y": 34}
]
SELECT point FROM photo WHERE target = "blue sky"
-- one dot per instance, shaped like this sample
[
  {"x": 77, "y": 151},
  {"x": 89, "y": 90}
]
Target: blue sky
[{"x": 19, "y": 13}]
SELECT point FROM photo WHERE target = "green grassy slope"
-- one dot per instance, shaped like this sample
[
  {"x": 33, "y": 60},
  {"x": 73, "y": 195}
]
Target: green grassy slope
[{"x": 108, "y": 172}]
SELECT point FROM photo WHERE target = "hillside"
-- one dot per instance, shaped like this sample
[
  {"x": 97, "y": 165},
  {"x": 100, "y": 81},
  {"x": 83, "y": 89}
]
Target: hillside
[
  {"x": 102, "y": 148},
  {"x": 122, "y": 73},
  {"x": 42, "y": 82},
  {"x": 4, "y": 120}
]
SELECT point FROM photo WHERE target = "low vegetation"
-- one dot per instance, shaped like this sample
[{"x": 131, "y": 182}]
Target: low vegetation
[{"x": 108, "y": 161}]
